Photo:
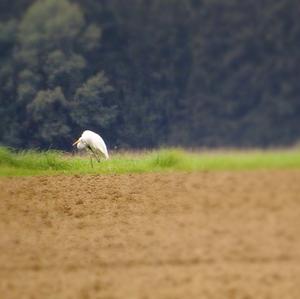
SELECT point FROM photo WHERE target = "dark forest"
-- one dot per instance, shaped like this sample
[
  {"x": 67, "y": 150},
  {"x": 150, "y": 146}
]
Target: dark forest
[{"x": 148, "y": 74}]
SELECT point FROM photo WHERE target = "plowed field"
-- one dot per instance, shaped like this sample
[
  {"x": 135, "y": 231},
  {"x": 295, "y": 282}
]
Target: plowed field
[{"x": 172, "y": 235}]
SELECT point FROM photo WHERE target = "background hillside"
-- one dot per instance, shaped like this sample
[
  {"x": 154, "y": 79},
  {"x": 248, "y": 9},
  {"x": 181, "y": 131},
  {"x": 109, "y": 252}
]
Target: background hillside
[{"x": 150, "y": 73}]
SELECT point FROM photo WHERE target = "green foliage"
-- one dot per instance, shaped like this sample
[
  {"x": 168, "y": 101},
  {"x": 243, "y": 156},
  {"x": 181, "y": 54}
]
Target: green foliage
[
  {"x": 90, "y": 38},
  {"x": 7, "y": 33},
  {"x": 150, "y": 74},
  {"x": 168, "y": 158},
  {"x": 49, "y": 24},
  {"x": 48, "y": 120},
  {"x": 93, "y": 105},
  {"x": 51, "y": 60},
  {"x": 32, "y": 160},
  {"x": 61, "y": 69},
  {"x": 14, "y": 163}
]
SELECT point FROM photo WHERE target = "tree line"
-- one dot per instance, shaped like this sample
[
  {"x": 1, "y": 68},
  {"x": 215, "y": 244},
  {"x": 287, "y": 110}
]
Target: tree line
[{"x": 195, "y": 73}]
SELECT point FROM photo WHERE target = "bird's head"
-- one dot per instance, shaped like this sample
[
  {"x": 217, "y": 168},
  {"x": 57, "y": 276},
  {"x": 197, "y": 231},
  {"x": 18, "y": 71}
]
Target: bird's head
[{"x": 79, "y": 143}]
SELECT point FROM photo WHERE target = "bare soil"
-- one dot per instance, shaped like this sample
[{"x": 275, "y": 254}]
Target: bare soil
[{"x": 174, "y": 235}]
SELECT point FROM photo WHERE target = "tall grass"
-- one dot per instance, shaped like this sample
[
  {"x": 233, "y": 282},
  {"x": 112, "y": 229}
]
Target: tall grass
[
  {"x": 48, "y": 160},
  {"x": 13, "y": 163}
]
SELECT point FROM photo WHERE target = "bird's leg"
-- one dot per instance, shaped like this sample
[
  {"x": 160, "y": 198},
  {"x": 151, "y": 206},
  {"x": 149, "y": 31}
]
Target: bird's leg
[
  {"x": 94, "y": 153},
  {"x": 91, "y": 160},
  {"x": 96, "y": 156},
  {"x": 91, "y": 156}
]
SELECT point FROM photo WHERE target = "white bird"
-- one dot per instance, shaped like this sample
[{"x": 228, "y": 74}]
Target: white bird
[{"x": 94, "y": 143}]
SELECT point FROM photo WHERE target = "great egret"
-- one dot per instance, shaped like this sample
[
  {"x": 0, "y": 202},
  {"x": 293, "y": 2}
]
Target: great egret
[{"x": 94, "y": 143}]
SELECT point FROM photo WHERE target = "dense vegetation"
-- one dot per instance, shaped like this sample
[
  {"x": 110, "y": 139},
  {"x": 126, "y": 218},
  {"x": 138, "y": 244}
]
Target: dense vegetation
[
  {"x": 51, "y": 162},
  {"x": 150, "y": 73}
]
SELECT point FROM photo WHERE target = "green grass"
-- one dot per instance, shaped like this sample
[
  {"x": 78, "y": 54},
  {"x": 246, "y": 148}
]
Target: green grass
[{"x": 13, "y": 163}]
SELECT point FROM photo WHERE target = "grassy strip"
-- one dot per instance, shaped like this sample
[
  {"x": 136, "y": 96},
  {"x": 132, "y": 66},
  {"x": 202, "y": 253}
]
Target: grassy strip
[{"x": 24, "y": 163}]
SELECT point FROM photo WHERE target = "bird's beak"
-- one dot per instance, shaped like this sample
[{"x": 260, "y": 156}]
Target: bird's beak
[{"x": 75, "y": 142}]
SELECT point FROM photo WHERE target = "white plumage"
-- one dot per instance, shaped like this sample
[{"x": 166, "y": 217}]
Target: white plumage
[{"x": 94, "y": 143}]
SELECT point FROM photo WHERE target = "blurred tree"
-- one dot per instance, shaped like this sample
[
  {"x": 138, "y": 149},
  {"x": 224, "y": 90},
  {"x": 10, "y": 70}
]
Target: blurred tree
[
  {"x": 51, "y": 60},
  {"x": 8, "y": 30},
  {"x": 49, "y": 119},
  {"x": 194, "y": 73},
  {"x": 94, "y": 105}
]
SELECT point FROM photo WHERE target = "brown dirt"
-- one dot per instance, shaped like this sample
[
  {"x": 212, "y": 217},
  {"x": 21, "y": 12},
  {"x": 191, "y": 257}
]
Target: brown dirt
[{"x": 201, "y": 235}]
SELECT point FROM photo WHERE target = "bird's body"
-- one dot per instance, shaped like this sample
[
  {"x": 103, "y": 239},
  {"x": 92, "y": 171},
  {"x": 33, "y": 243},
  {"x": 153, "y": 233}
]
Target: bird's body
[{"x": 94, "y": 143}]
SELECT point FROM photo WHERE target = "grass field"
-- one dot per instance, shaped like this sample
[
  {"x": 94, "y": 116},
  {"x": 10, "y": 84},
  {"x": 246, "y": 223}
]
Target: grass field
[
  {"x": 178, "y": 232},
  {"x": 23, "y": 163}
]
